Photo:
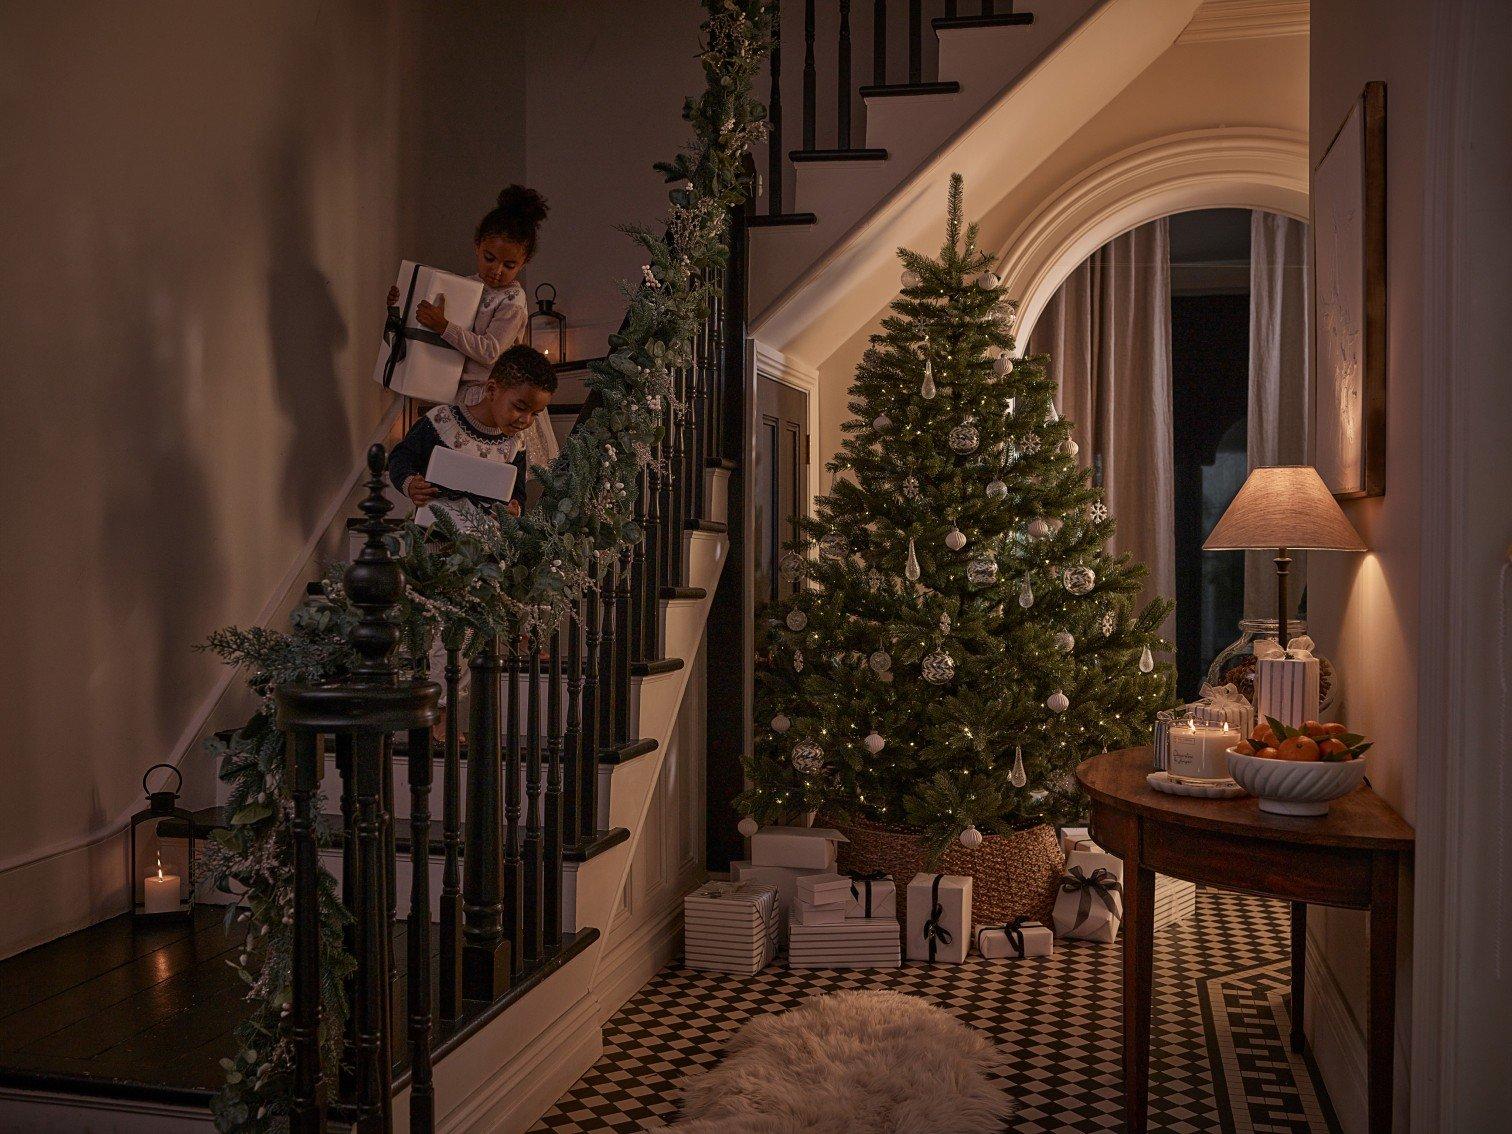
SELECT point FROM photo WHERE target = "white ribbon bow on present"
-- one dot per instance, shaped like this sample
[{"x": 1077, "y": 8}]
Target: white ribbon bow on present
[
  {"x": 1226, "y": 696},
  {"x": 1268, "y": 649}
]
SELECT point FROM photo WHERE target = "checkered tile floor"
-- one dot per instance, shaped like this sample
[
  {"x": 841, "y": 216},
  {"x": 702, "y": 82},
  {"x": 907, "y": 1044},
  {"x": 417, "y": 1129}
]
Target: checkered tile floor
[{"x": 1220, "y": 1061}]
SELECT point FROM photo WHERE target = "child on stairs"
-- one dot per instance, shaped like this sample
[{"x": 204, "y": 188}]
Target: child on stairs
[{"x": 503, "y": 243}]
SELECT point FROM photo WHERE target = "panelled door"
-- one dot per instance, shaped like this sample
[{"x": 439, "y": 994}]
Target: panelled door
[{"x": 781, "y": 480}]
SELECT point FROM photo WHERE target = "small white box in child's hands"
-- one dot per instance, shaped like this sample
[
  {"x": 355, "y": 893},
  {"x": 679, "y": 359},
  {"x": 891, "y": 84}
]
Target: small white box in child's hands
[{"x": 462, "y": 472}]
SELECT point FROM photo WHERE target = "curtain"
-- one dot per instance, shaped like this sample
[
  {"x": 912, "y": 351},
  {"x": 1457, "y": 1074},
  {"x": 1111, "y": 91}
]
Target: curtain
[
  {"x": 1280, "y": 382},
  {"x": 1108, "y": 334}
]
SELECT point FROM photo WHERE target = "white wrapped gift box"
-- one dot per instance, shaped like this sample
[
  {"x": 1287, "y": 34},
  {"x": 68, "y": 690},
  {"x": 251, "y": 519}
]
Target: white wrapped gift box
[
  {"x": 463, "y": 472},
  {"x": 784, "y": 878},
  {"x": 429, "y": 371},
  {"x": 939, "y": 917},
  {"x": 812, "y": 848},
  {"x": 1075, "y": 839},
  {"x": 996, "y": 942},
  {"x": 872, "y": 897},
  {"x": 827, "y": 889},
  {"x": 854, "y": 943},
  {"x": 805, "y": 913},
  {"x": 730, "y": 927},
  {"x": 1089, "y": 899}
]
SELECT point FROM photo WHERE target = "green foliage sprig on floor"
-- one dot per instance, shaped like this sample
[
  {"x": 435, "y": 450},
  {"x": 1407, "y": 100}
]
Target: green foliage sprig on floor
[
  {"x": 952, "y": 588},
  {"x": 503, "y": 576}
]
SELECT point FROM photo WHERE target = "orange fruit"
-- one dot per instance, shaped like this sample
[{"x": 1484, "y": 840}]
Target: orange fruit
[
  {"x": 1244, "y": 748},
  {"x": 1334, "y": 728},
  {"x": 1267, "y": 752},
  {"x": 1314, "y": 729},
  {"x": 1303, "y": 748},
  {"x": 1331, "y": 748},
  {"x": 1263, "y": 734}
]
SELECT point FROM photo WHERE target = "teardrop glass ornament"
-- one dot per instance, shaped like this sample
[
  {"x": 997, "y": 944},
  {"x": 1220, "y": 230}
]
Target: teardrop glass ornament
[
  {"x": 1026, "y": 594},
  {"x": 911, "y": 568},
  {"x": 1053, "y": 416},
  {"x": 1017, "y": 777},
  {"x": 1146, "y": 661},
  {"x": 927, "y": 390}
]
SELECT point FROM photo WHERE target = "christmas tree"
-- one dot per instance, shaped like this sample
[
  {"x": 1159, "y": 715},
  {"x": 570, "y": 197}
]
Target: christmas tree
[{"x": 960, "y": 638}]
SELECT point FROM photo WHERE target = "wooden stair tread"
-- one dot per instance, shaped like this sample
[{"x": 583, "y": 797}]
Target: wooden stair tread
[
  {"x": 902, "y": 90},
  {"x": 680, "y": 594},
  {"x": 592, "y": 848},
  {"x": 836, "y": 155},
  {"x": 1006, "y": 20},
  {"x": 780, "y": 220},
  {"x": 624, "y": 753}
]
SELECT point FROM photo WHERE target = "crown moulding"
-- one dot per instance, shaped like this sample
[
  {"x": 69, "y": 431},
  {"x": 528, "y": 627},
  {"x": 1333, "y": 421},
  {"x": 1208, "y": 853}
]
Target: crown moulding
[{"x": 1246, "y": 19}]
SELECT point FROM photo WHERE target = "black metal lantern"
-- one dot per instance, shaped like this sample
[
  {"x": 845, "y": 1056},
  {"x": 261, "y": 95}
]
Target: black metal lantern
[
  {"x": 548, "y": 326},
  {"x": 162, "y": 891}
]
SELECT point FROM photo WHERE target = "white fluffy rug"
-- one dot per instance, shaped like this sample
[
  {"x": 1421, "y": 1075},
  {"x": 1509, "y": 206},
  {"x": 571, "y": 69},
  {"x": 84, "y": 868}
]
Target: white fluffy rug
[{"x": 851, "y": 1063}]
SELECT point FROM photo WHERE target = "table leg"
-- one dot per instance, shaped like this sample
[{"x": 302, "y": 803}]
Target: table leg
[
  {"x": 1298, "y": 974},
  {"x": 1381, "y": 1056},
  {"x": 1138, "y": 974}
]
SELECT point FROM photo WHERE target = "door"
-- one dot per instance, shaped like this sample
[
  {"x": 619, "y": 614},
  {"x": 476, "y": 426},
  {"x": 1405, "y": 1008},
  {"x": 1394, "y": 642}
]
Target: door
[{"x": 781, "y": 480}]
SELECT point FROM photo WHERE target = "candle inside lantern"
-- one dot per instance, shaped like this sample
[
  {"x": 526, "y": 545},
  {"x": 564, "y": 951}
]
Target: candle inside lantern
[
  {"x": 1200, "y": 751},
  {"x": 160, "y": 894}
]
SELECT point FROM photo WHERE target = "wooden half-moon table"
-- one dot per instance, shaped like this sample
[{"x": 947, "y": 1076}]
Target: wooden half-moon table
[{"x": 1351, "y": 857}]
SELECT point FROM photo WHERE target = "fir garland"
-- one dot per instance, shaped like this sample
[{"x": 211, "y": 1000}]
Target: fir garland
[{"x": 501, "y": 576}]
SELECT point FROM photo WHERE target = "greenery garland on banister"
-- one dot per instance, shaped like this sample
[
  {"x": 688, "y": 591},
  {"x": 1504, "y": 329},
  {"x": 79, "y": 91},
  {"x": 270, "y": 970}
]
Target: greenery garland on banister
[{"x": 506, "y": 575}]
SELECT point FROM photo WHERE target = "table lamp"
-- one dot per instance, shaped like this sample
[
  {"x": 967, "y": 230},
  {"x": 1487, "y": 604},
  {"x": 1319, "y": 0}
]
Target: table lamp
[{"x": 1285, "y": 507}]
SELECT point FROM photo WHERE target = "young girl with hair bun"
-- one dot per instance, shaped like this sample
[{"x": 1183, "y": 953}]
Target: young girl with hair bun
[{"x": 504, "y": 242}]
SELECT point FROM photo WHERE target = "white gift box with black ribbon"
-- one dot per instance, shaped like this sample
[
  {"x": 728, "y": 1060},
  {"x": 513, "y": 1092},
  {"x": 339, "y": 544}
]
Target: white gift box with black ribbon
[
  {"x": 939, "y": 917},
  {"x": 1022, "y": 937},
  {"x": 1075, "y": 839},
  {"x": 1174, "y": 897},
  {"x": 872, "y": 895},
  {"x": 412, "y": 359},
  {"x": 1287, "y": 681},
  {"x": 1089, "y": 899}
]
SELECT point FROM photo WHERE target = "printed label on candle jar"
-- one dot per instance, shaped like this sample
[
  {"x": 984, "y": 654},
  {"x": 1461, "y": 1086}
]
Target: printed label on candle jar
[{"x": 1200, "y": 753}]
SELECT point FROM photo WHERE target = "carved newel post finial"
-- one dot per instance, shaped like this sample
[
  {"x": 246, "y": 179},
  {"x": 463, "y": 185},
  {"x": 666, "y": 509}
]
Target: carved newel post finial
[{"x": 374, "y": 582}]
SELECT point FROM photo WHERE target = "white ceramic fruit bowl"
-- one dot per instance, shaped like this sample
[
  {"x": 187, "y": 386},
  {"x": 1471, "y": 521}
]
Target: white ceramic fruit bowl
[{"x": 1295, "y": 787}]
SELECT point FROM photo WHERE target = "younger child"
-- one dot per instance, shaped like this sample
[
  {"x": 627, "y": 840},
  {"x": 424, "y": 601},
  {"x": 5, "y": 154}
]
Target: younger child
[{"x": 518, "y": 388}]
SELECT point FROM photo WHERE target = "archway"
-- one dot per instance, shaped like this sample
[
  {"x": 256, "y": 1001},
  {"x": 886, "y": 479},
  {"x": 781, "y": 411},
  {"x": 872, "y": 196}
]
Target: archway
[{"x": 1200, "y": 169}]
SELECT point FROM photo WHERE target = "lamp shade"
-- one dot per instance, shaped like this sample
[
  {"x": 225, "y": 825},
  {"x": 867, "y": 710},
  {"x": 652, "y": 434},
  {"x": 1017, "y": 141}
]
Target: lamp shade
[{"x": 1284, "y": 506}]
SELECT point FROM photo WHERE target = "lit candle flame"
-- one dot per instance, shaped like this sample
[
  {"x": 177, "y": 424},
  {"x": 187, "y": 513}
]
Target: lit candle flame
[
  {"x": 160, "y": 865},
  {"x": 1225, "y": 726},
  {"x": 1191, "y": 726}
]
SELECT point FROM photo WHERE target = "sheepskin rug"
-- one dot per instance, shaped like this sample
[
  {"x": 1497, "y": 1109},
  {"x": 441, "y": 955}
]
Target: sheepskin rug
[{"x": 851, "y": 1063}]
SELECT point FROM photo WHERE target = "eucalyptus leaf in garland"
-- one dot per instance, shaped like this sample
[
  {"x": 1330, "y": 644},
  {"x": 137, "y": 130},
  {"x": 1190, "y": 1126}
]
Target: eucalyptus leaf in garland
[{"x": 505, "y": 575}]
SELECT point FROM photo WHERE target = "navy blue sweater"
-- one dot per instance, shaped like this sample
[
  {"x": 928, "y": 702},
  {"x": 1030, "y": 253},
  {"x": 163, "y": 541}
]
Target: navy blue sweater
[{"x": 450, "y": 426}]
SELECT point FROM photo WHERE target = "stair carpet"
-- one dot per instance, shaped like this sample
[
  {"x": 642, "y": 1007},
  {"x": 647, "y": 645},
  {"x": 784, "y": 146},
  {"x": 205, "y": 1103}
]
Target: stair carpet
[{"x": 833, "y": 188}]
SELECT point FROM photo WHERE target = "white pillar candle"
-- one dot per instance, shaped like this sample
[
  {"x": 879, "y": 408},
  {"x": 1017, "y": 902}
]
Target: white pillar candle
[
  {"x": 1200, "y": 751},
  {"x": 160, "y": 894}
]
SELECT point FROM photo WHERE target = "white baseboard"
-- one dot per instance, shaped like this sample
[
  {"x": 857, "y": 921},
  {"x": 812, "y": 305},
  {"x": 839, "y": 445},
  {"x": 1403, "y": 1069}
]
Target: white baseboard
[
  {"x": 42, "y": 1112},
  {"x": 1338, "y": 1045},
  {"x": 631, "y": 959}
]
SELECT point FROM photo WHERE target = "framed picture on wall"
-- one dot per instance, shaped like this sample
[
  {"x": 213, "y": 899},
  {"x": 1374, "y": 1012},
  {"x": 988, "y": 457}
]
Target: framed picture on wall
[{"x": 1349, "y": 301}]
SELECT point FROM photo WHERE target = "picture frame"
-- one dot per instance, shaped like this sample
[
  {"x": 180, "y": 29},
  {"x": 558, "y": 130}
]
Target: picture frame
[{"x": 1349, "y": 302}]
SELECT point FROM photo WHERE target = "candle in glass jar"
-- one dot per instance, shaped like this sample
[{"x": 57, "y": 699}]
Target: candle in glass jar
[
  {"x": 160, "y": 894},
  {"x": 1200, "y": 751}
]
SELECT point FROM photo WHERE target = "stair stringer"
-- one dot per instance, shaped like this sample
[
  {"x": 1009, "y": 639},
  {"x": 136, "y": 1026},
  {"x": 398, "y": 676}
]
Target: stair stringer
[
  {"x": 841, "y": 279},
  {"x": 514, "y": 1067}
]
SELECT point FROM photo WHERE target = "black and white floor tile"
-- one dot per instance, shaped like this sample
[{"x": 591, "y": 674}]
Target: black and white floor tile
[{"x": 1220, "y": 1060}]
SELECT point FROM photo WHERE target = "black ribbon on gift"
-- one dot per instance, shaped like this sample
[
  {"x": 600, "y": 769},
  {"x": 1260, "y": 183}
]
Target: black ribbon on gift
[
  {"x": 935, "y": 932},
  {"x": 1103, "y": 883},
  {"x": 398, "y": 335},
  {"x": 866, "y": 880},
  {"x": 1014, "y": 931}
]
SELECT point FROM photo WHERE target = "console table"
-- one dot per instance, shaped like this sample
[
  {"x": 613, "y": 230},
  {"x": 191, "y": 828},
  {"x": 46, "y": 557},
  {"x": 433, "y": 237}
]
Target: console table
[{"x": 1352, "y": 857}]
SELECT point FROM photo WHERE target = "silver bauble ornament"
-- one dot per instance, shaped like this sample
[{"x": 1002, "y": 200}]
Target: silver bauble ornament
[
  {"x": 1146, "y": 661},
  {"x": 796, "y": 620},
  {"x": 881, "y": 422},
  {"x": 911, "y": 566},
  {"x": 910, "y": 279},
  {"x": 880, "y": 661},
  {"x": 955, "y": 539},
  {"x": 780, "y": 723},
  {"x": 938, "y": 668},
  {"x": 873, "y": 742},
  {"x": 1079, "y": 580},
  {"x": 1065, "y": 642},
  {"x": 832, "y": 545},
  {"x": 1003, "y": 364},
  {"x": 1058, "y": 702},
  {"x": 996, "y": 490},
  {"x": 791, "y": 566},
  {"x": 970, "y": 838},
  {"x": 748, "y": 826},
  {"x": 808, "y": 757},
  {"x": 927, "y": 387},
  {"x": 1017, "y": 777},
  {"x": 1038, "y": 529},
  {"x": 987, "y": 280},
  {"x": 982, "y": 571},
  {"x": 964, "y": 438}
]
